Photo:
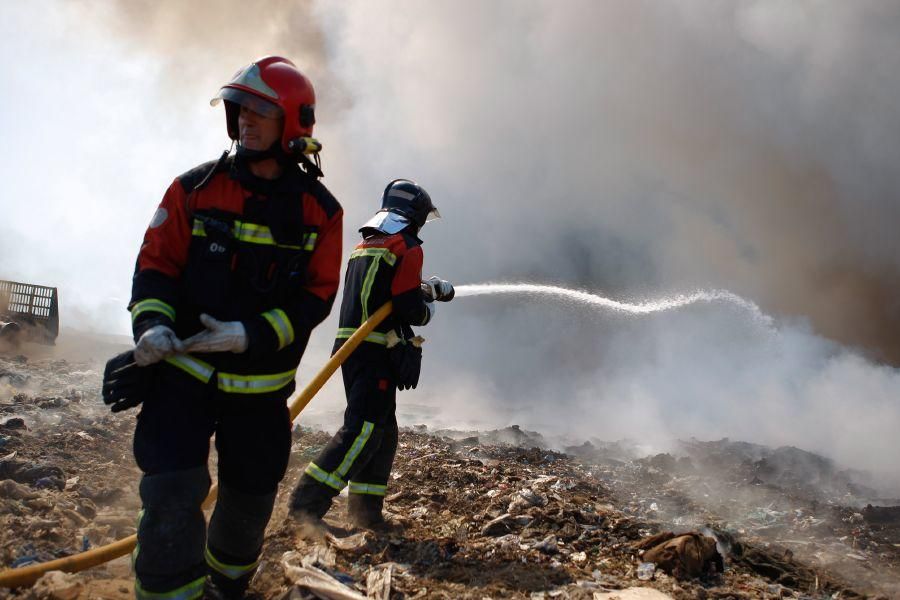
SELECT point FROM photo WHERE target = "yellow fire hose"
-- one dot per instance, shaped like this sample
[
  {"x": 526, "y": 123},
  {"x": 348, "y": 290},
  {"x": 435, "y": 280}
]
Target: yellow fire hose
[{"x": 24, "y": 576}]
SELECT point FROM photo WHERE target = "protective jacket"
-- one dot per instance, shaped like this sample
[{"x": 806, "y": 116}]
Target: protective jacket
[
  {"x": 240, "y": 248},
  {"x": 381, "y": 268}
]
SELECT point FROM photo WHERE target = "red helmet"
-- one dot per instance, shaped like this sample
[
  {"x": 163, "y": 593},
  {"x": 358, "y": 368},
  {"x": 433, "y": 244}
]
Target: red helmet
[{"x": 271, "y": 86}]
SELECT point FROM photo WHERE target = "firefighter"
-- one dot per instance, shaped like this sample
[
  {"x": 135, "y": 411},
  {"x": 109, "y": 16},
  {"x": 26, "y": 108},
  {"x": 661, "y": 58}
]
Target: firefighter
[
  {"x": 240, "y": 262},
  {"x": 386, "y": 265}
]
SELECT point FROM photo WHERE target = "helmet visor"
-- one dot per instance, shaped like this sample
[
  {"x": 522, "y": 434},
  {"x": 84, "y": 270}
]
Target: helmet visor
[
  {"x": 386, "y": 222},
  {"x": 251, "y": 101}
]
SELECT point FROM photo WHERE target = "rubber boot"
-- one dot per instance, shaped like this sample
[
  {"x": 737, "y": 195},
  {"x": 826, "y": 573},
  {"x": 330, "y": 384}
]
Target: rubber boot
[
  {"x": 309, "y": 503},
  {"x": 219, "y": 587},
  {"x": 364, "y": 510},
  {"x": 311, "y": 500}
]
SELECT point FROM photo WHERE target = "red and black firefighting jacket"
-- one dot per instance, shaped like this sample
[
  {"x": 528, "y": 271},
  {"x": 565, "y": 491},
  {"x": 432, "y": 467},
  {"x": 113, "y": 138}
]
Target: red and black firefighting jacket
[
  {"x": 381, "y": 268},
  {"x": 241, "y": 248}
]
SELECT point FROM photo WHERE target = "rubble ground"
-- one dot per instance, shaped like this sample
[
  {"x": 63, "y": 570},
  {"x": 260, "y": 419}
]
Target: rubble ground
[{"x": 473, "y": 514}]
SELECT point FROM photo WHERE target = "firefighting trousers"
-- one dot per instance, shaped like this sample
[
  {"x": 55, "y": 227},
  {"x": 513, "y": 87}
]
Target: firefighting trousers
[
  {"x": 361, "y": 453},
  {"x": 171, "y": 446}
]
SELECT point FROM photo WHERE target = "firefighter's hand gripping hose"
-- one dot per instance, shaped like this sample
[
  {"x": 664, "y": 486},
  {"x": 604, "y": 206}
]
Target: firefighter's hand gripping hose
[{"x": 24, "y": 576}]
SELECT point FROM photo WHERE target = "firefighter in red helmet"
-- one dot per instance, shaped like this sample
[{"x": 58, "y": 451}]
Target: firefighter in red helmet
[{"x": 240, "y": 262}]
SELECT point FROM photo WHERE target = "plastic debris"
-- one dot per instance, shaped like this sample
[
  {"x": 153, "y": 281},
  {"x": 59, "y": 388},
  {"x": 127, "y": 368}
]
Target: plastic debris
[
  {"x": 56, "y": 585},
  {"x": 645, "y": 571},
  {"x": 316, "y": 580}
]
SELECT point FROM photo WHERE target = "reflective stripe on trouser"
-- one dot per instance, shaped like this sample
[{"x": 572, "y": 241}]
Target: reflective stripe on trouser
[
  {"x": 322, "y": 476},
  {"x": 335, "y": 479},
  {"x": 373, "y": 489},
  {"x": 152, "y": 305},
  {"x": 190, "y": 591},
  {"x": 232, "y": 383},
  {"x": 229, "y": 571}
]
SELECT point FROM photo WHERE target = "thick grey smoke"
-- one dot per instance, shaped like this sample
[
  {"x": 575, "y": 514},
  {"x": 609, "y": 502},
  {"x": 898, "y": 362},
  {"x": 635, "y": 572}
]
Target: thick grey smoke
[
  {"x": 651, "y": 145},
  {"x": 633, "y": 148},
  {"x": 638, "y": 148}
]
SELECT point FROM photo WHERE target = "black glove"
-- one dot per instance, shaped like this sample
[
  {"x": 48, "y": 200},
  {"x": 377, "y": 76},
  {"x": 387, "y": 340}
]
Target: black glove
[
  {"x": 406, "y": 364},
  {"x": 125, "y": 384}
]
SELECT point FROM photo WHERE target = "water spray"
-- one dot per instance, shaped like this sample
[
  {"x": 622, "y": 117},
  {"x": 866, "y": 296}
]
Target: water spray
[{"x": 665, "y": 303}]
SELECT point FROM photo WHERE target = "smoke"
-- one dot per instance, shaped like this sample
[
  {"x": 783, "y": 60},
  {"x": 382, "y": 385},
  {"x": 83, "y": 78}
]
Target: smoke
[
  {"x": 631, "y": 148},
  {"x": 638, "y": 149}
]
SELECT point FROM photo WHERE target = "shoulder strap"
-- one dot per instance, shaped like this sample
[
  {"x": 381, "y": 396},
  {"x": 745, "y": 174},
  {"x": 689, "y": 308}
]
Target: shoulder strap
[{"x": 218, "y": 166}]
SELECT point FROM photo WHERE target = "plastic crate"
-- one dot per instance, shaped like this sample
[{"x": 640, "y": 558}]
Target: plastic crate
[{"x": 35, "y": 308}]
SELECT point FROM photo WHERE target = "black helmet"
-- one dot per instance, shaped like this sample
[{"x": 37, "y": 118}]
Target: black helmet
[{"x": 404, "y": 204}]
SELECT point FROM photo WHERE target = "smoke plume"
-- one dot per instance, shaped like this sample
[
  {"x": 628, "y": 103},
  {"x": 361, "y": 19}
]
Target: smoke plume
[{"x": 631, "y": 148}]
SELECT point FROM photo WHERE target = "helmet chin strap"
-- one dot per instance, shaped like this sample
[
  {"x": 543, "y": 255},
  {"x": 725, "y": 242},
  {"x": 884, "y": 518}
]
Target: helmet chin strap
[
  {"x": 273, "y": 151},
  {"x": 276, "y": 152}
]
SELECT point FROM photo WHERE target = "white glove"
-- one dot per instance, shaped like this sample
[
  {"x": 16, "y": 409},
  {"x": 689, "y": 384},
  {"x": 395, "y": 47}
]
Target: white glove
[
  {"x": 437, "y": 289},
  {"x": 220, "y": 336},
  {"x": 432, "y": 308},
  {"x": 155, "y": 344}
]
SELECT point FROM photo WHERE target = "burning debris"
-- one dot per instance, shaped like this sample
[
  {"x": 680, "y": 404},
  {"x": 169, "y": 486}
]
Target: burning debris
[{"x": 471, "y": 514}]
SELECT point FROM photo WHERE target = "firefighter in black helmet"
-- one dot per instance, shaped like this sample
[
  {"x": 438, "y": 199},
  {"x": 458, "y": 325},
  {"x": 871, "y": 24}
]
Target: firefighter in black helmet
[{"x": 385, "y": 265}]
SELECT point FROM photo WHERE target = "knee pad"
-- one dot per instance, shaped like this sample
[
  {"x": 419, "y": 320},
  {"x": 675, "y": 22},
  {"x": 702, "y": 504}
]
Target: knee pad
[
  {"x": 176, "y": 489},
  {"x": 171, "y": 530},
  {"x": 238, "y": 524}
]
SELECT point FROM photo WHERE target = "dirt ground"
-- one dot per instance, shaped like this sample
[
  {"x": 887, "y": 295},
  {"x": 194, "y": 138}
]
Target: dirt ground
[{"x": 494, "y": 514}]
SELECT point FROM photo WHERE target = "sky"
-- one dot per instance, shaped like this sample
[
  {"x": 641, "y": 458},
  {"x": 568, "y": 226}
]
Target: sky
[{"x": 634, "y": 149}]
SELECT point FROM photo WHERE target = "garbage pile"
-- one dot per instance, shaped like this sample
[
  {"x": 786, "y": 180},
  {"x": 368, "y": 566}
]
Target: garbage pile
[
  {"x": 495, "y": 514},
  {"x": 67, "y": 479},
  {"x": 476, "y": 519}
]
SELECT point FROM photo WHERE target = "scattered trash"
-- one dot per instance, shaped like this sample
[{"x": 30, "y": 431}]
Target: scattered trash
[
  {"x": 499, "y": 526},
  {"x": 56, "y": 585},
  {"x": 881, "y": 514},
  {"x": 16, "y": 491},
  {"x": 645, "y": 571},
  {"x": 378, "y": 582},
  {"x": 316, "y": 580},
  {"x": 548, "y": 545},
  {"x": 635, "y": 594},
  {"x": 683, "y": 556},
  {"x": 24, "y": 561},
  {"x": 353, "y": 543},
  {"x": 50, "y": 483},
  {"x": 477, "y": 514}
]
